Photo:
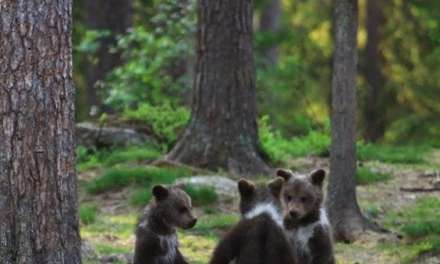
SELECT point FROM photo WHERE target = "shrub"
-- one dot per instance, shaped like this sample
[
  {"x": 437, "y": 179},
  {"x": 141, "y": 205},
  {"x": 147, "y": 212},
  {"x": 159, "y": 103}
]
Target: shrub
[
  {"x": 423, "y": 218},
  {"x": 279, "y": 149},
  {"x": 164, "y": 120}
]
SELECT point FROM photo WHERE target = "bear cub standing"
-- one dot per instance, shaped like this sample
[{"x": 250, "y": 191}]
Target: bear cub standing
[
  {"x": 156, "y": 238},
  {"x": 259, "y": 236},
  {"x": 305, "y": 220}
]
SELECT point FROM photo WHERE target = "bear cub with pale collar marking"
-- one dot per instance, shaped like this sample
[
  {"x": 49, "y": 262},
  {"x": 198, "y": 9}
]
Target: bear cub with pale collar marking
[
  {"x": 259, "y": 236},
  {"x": 156, "y": 238},
  {"x": 304, "y": 218}
]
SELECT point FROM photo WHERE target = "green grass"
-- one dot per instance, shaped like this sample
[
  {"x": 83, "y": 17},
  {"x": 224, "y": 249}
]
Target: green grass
[
  {"x": 88, "y": 213},
  {"x": 120, "y": 177},
  {"x": 391, "y": 154},
  {"x": 207, "y": 224},
  {"x": 365, "y": 176},
  {"x": 133, "y": 154},
  {"x": 420, "y": 223},
  {"x": 87, "y": 159},
  {"x": 201, "y": 196},
  {"x": 140, "y": 197}
]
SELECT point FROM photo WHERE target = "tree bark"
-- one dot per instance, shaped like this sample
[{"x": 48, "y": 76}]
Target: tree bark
[
  {"x": 38, "y": 196},
  {"x": 223, "y": 130},
  {"x": 115, "y": 16},
  {"x": 344, "y": 212},
  {"x": 374, "y": 110},
  {"x": 270, "y": 24}
]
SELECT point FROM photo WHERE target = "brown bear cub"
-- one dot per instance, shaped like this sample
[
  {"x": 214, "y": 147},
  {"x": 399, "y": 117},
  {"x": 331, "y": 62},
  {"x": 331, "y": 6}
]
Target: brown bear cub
[
  {"x": 304, "y": 218},
  {"x": 156, "y": 238},
  {"x": 259, "y": 236}
]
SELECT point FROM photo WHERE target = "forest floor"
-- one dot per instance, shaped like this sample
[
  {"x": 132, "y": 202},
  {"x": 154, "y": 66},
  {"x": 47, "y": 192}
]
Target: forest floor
[{"x": 411, "y": 217}]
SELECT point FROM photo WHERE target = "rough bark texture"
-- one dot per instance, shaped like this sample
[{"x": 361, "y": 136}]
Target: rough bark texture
[
  {"x": 270, "y": 24},
  {"x": 374, "y": 116},
  {"x": 345, "y": 215},
  {"x": 38, "y": 198},
  {"x": 115, "y": 16},
  {"x": 223, "y": 132}
]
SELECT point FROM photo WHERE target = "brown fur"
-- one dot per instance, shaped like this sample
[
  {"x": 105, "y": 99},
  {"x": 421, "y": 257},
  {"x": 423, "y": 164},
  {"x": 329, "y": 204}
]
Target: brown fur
[
  {"x": 156, "y": 238},
  {"x": 258, "y": 239},
  {"x": 304, "y": 219}
]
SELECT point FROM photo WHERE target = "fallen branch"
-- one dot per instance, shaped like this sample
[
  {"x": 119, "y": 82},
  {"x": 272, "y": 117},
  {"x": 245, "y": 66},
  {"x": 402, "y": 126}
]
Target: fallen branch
[{"x": 419, "y": 189}]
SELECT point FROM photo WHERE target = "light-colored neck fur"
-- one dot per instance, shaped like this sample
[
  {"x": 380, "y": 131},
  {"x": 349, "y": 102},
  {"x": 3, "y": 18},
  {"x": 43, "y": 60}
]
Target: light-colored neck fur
[
  {"x": 302, "y": 235},
  {"x": 266, "y": 208}
]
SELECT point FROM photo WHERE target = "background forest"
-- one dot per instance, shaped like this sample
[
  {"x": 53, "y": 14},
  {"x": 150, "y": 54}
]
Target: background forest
[{"x": 134, "y": 68}]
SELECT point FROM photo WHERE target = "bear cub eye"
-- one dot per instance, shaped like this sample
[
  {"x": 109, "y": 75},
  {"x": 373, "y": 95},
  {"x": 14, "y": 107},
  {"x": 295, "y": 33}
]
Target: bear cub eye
[
  {"x": 183, "y": 210},
  {"x": 304, "y": 199},
  {"x": 288, "y": 198}
]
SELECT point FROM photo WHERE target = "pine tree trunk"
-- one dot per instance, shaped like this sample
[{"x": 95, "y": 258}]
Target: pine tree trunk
[
  {"x": 223, "y": 130},
  {"x": 345, "y": 215},
  {"x": 38, "y": 196},
  {"x": 115, "y": 16},
  {"x": 270, "y": 24},
  {"x": 374, "y": 111}
]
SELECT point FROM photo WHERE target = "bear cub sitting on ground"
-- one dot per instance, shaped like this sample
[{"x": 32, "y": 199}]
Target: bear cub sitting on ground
[
  {"x": 259, "y": 236},
  {"x": 156, "y": 238},
  {"x": 305, "y": 220}
]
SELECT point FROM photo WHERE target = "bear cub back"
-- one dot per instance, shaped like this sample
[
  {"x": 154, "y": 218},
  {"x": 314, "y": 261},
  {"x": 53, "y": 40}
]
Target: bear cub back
[
  {"x": 156, "y": 237},
  {"x": 304, "y": 217},
  {"x": 259, "y": 236}
]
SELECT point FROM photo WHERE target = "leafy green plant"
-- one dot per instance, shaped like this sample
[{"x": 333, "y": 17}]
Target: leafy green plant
[
  {"x": 165, "y": 121},
  {"x": 365, "y": 176},
  {"x": 201, "y": 196},
  {"x": 280, "y": 149},
  {"x": 88, "y": 213}
]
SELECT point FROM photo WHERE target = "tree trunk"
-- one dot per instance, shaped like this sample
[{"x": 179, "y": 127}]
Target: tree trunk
[
  {"x": 374, "y": 116},
  {"x": 223, "y": 130},
  {"x": 270, "y": 24},
  {"x": 116, "y": 17},
  {"x": 38, "y": 196},
  {"x": 345, "y": 215}
]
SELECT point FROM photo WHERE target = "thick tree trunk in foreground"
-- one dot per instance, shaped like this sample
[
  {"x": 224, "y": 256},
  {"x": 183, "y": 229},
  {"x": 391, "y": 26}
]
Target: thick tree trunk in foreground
[
  {"x": 270, "y": 24},
  {"x": 223, "y": 130},
  {"x": 38, "y": 199},
  {"x": 115, "y": 16},
  {"x": 374, "y": 116},
  {"x": 345, "y": 215}
]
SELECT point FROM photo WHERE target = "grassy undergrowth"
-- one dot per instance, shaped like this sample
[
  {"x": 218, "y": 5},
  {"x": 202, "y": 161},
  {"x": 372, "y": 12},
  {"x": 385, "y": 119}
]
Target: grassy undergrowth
[
  {"x": 120, "y": 177},
  {"x": 365, "y": 176},
  {"x": 87, "y": 160},
  {"x": 420, "y": 223}
]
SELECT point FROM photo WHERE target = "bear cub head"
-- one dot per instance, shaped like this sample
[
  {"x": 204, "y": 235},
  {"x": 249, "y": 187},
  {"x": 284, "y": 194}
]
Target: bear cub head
[
  {"x": 301, "y": 197},
  {"x": 256, "y": 200},
  {"x": 173, "y": 205}
]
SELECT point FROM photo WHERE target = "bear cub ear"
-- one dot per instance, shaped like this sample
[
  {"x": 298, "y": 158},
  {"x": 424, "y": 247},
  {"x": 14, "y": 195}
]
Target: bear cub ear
[
  {"x": 246, "y": 188},
  {"x": 160, "y": 192},
  {"x": 275, "y": 186},
  {"x": 317, "y": 177},
  {"x": 285, "y": 174}
]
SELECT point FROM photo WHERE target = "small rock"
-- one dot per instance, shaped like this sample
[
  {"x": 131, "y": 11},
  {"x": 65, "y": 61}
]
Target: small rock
[
  {"x": 222, "y": 185},
  {"x": 88, "y": 251}
]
